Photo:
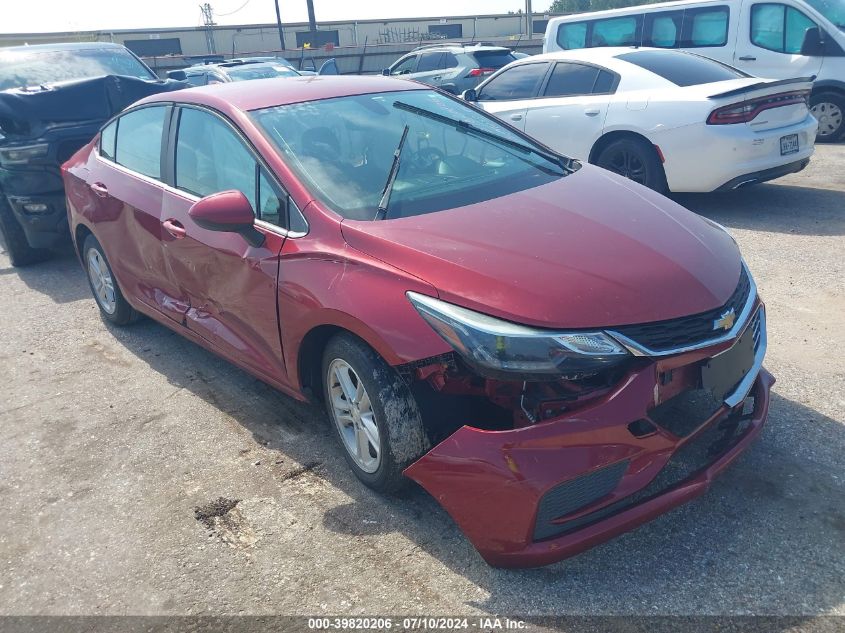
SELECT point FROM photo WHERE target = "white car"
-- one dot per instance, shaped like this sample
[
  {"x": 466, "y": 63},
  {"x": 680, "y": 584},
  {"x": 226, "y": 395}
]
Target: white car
[{"x": 666, "y": 119}]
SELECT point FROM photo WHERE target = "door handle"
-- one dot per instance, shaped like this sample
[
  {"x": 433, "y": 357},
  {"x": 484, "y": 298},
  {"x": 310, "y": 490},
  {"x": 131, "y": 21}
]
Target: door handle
[
  {"x": 175, "y": 228},
  {"x": 748, "y": 58},
  {"x": 516, "y": 117},
  {"x": 99, "y": 189},
  {"x": 592, "y": 111}
]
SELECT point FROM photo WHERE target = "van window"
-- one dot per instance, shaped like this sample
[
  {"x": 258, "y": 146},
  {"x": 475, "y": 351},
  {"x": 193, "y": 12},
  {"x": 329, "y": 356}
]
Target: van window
[
  {"x": 682, "y": 69},
  {"x": 572, "y": 35},
  {"x": 832, "y": 10},
  {"x": 663, "y": 29},
  {"x": 623, "y": 31},
  {"x": 706, "y": 27},
  {"x": 779, "y": 28},
  {"x": 519, "y": 82}
]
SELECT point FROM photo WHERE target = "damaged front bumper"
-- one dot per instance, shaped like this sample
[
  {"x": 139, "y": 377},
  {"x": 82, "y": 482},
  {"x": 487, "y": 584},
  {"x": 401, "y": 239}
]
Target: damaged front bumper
[{"x": 535, "y": 495}]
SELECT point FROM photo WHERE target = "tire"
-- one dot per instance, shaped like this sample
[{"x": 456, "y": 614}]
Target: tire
[
  {"x": 636, "y": 160},
  {"x": 392, "y": 413},
  {"x": 17, "y": 246},
  {"x": 829, "y": 110},
  {"x": 113, "y": 306}
]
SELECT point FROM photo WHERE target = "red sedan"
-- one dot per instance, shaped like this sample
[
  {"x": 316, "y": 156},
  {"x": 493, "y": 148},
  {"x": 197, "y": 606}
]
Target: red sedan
[{"x": 554, "y": 352}]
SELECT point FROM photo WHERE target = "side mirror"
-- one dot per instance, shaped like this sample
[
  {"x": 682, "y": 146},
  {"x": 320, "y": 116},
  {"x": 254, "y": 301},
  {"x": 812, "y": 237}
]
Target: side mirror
[
  {"x": 178, "y": 75},
  {"x": 386, "y": 72},
  {"x": 470, "y": 95},
  {"x": 329, "y": 67},
  {"x": 227, "y": 212},
  {"x": 812, "y": 44}
]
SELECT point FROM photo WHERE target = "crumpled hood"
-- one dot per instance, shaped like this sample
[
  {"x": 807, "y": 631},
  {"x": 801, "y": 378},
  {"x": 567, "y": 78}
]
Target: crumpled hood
[{"x": 589, "y": 250}]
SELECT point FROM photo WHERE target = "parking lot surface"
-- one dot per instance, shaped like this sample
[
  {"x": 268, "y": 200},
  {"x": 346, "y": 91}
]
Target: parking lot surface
[{"x": 123, "y": 453}]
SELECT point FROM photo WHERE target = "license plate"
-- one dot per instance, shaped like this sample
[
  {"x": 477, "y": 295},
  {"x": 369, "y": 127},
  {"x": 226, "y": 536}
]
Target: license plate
[
  {"x": 788, "y": 144},
  {"x": 723, "y": 372}
]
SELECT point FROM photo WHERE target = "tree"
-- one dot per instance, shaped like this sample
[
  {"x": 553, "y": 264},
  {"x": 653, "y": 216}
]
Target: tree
[{"x": 582, "y": 6}]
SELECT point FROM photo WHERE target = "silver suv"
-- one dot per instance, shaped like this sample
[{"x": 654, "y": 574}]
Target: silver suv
[{"x": 451, "y": 67}]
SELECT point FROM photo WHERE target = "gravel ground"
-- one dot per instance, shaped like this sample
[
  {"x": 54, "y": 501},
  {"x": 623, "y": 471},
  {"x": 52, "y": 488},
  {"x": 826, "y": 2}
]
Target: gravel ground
[{"x": 123, "y": 451}]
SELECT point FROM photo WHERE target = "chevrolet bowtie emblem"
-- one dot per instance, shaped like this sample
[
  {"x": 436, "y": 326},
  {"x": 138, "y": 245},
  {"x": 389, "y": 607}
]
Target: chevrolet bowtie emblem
[{"x": 726, "y": 321}]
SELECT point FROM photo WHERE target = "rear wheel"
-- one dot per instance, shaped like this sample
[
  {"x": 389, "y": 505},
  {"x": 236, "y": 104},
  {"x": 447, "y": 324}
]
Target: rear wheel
[
  {"x": 113, "y": 306},
  {"x": 373, "y": 412},
  {"x": 636, "y": 160},
  {"x": 829, "y": 110},
  {"x": 17, "y": 246}
]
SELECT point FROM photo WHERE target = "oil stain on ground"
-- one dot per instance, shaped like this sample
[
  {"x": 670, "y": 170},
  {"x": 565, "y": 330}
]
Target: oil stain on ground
[{"x": 223, "y": 519}]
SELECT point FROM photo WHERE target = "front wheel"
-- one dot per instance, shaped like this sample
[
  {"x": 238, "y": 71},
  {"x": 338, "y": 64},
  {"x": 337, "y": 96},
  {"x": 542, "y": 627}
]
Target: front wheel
[
  {"x": 636, "y": 160},
  {"x": 829, "y": 110},
  {"x": 17, "y": 246},
  {"x": 113, "y": 306},
  {"x": 373, "y": 412}
]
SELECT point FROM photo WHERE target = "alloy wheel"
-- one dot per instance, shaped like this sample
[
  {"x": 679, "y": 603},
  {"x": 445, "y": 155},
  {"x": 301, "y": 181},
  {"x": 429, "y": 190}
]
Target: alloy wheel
[
  {"x": 353, "y": 416},
  {"x": 628, "y": 164},
  {"x": 829, "y": 116},
  {"x": 101, "y": 281}
]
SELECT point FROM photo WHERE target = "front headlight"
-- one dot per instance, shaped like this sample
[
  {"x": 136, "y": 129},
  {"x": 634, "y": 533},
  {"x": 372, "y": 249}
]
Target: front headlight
[
  {"x": 22, "y": 154},
  {"x": 501, "y": 349}
]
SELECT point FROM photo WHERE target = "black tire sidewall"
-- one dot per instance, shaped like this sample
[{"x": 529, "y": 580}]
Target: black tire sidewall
[
  {"x": 401, "y": 432},
  {"x": 839, "y": 100},
  {"x": 124, "y": 313},
  {"x": 655, "y": 176},
  {"x": 17, "y": 246}
]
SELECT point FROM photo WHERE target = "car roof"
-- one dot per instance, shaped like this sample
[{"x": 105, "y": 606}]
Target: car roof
[
  {"x": 64, "y": 46},
  {"x": 458, "y": 47},
  {"x": 607, "y": 56},
  {"x": 266, "y": 93},
  {"x": 247, "y": 63}
]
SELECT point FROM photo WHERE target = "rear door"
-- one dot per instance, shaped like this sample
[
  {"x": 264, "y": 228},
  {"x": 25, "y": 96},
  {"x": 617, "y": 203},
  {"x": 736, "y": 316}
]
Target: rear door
[
  {"x": 229, "y": 285},
  {"x": 509, "y": 93},
  {"x": 430, "y": 68},
  {"x": 770, "y": 39},
  {"x": 127, "y": 193},
  {"x": 569, "y": 114}
]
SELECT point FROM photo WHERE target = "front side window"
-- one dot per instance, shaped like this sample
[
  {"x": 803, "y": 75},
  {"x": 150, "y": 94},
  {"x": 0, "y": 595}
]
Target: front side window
[
  {"x": 832, "y": 10},
  {"x": 342, "y": 150},
  {"x": 138, "y": 145},
  {"x": 405, "y": 66},
  {"x": 519, "y": 82},
  {"x": 568, "y": 80},
  {"x": 197, "y": 79},
  {"x": 24, "y": 68},
  {"x": 260, "y": 71},
  {"x": 779, "y": 28},
  {"x": 211, "y": 158}
]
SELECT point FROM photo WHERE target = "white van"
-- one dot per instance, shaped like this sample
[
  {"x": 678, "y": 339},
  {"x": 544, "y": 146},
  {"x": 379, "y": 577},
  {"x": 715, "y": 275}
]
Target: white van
[{"x": 777, "y": 39}]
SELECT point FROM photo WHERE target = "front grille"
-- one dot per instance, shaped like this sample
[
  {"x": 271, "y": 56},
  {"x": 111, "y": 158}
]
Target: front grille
[
  {"x": 576, "y": 493},
  {"x": 690, "y": 330},
  {"x": 693, "y": 457}
]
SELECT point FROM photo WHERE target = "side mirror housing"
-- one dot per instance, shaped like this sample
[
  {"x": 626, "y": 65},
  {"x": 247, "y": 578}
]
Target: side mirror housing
[
  {"x": 178, "y": 75},
  {"x": 470, "y": 95},
  {"x": 227, "y": 212},
  {"x": 812, "y": 44},
  {"x": 386, "y": 72}
]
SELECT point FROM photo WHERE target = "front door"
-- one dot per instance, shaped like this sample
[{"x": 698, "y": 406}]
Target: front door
[
  {"x": 229, "y": 285},
  {"x": 509, "y": 93},
  {"x": 770, "y": 39}
]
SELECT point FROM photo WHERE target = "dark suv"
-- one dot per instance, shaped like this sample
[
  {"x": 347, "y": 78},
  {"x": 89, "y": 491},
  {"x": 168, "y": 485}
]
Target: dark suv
[
  {"x": 451, "y": 67},
  {"x": 53, "y": 100}
]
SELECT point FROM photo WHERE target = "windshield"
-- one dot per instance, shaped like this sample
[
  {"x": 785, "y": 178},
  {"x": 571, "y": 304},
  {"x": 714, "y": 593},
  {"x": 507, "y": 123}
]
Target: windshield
[
  {"x": 343, "y": 149},
  {"x": 259, "y": 71},
  {"x": 833, "y": 10},
  {"x": 19, "y": 69}
]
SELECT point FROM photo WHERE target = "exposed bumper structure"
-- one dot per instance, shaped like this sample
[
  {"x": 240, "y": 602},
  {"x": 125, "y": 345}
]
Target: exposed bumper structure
[{"x": 536, "y": 495}]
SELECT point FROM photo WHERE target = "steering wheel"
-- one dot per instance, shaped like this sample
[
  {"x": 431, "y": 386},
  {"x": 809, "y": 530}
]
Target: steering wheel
[{"x": 426, "y": 159}]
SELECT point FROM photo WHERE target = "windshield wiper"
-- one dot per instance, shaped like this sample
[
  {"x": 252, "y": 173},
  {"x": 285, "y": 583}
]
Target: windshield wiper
[
  {"x": 381, "y": 213},
  {"x": 469, "y": 128}
]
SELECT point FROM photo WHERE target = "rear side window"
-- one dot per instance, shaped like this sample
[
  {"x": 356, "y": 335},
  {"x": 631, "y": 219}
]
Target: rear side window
[
  {"x": 138, "y": 145},
  {"x": 197, "y": 79},
  {"x": 779, "y": 28},
  {"x": 519, "y": 82},
  {"x": 572, "y": 35},
  {"x": 624, "y": 31},
  {"x": 493, "y": 59},
  {"x": 108, "y": 138},
  {"x": 682, "y": 69},
  {"x": 663, "y": 29},
  {"x": 450, "y": 61},
  {"x": 430, "y": 61},
  {"x": 571, "y": 79},
  {"x": 706, "y": 27}
]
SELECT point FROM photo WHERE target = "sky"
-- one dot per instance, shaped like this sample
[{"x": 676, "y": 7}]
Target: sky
[{"x": 38, "y": 16}]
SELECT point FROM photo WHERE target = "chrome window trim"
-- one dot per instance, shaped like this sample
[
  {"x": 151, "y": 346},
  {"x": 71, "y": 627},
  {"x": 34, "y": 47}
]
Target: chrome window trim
[{"x": 742, "y": 320}]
